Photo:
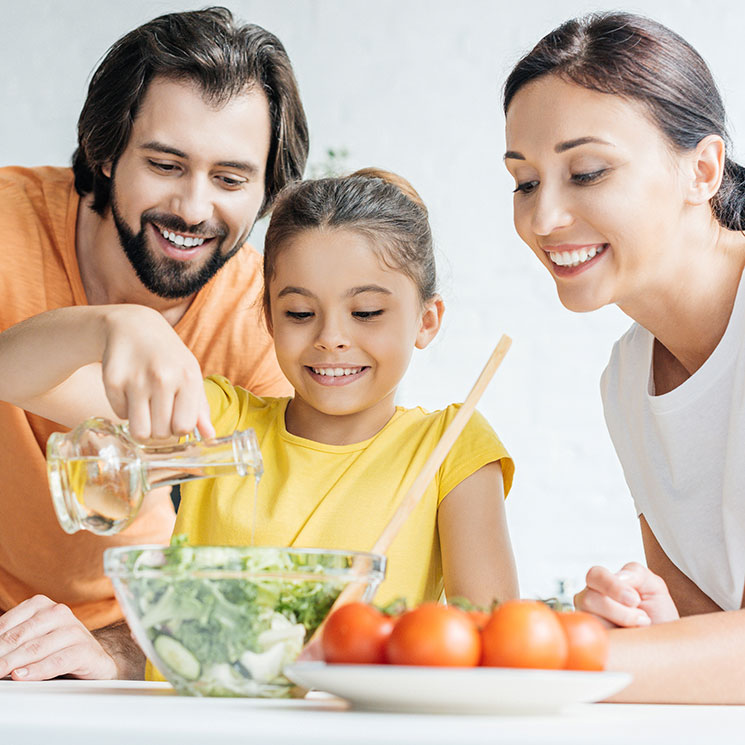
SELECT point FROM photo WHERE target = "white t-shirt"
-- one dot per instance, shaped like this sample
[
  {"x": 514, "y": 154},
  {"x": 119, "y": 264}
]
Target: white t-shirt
[{"x": 683, "y": 454}]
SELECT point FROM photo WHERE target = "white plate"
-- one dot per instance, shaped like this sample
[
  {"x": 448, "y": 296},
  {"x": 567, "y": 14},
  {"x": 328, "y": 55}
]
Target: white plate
[{"x": 477, "y": 690}]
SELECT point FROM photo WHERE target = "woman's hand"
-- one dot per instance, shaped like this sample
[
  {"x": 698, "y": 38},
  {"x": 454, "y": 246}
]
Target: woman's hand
[
  {"x": 633, "y": 596},
  {"x": 151, "y": 378}
]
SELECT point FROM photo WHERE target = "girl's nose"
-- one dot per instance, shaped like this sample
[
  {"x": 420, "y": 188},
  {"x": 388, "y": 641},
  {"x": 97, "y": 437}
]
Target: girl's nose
[
  {"x": 331, "y": 335},
  {"x": 551, "y": 212},
  {"x": 191, "y": 201}
]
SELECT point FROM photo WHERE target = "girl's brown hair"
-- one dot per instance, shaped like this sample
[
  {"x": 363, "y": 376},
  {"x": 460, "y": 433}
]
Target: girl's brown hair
[
  {"x": 378, "y": 204},
  {"x": 639, "y": 59}
]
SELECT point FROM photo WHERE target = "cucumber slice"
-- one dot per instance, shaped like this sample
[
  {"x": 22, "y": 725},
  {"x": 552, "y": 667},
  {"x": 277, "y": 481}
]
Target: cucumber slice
[{"x": 177, "y": 657}]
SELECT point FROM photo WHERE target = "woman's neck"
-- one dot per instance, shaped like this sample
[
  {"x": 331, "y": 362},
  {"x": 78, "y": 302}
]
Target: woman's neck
[
  {"x": 302, "y": 420},
  {"x": 689, "y": 308}
]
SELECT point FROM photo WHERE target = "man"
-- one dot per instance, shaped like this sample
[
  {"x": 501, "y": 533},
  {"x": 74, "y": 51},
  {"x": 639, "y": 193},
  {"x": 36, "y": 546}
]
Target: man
[{"x": 191, "y": 126}]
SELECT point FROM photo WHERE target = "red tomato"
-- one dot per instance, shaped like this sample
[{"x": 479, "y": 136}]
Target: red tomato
[
  {"x": 434, "y": 634},
  {"x": 524, "y": 633},
  {"x": 588, "y": 641},
  {"x": 479, "y": 617},
  {"x": 356, "y": 633}
]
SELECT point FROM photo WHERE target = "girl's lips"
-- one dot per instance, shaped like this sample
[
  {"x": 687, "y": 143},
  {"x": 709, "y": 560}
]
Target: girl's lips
[
  {"x": 179, "y": 253},
  {"x": 335, "y": 380}
]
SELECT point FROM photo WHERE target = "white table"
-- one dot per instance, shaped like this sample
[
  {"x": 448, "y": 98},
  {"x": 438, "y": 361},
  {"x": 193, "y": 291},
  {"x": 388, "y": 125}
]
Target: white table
[{"x": 134, "y": 713}]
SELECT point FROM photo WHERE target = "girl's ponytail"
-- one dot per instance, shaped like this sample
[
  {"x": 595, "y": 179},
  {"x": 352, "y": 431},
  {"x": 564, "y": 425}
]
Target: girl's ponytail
[{"x": 394, "y": 179}]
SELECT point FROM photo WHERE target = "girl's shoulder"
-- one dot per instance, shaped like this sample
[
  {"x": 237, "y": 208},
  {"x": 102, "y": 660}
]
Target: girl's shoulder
[
  {"x": 233, "y": 407},
  {"x": 439, "y": 419}
]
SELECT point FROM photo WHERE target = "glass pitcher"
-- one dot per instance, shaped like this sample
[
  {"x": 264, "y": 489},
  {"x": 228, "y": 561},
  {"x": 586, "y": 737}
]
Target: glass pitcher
[{"x": 98, "y": 475}]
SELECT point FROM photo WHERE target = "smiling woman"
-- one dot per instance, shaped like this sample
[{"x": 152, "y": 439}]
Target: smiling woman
[{"x": 626, "y": 194}]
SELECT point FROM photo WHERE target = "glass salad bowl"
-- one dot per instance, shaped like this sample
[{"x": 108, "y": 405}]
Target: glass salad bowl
[{"x": 224, "y": 621}]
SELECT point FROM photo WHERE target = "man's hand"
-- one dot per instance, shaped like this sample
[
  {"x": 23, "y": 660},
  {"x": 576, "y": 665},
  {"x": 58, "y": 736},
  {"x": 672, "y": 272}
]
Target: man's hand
[
  {"x": 633, "y": 596},
  {"x": 41, "y": 639},
  {"x": 151, "y": 378}
]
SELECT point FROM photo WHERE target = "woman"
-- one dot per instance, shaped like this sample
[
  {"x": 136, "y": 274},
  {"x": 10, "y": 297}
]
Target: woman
[{"x": 625, "y": 192}]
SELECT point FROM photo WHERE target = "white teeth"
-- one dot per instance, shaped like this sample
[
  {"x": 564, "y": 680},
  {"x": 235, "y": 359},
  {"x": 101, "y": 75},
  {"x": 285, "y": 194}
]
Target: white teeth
[
  {"x": 576, "y": 257},
  {"x": 336, "y": 372},
  {"x": 181, "y": 240}
]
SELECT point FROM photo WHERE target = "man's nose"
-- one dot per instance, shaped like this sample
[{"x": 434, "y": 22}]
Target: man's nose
[
  {"x": 191, "y": 201},
  {"x": 551, "y": 211}
]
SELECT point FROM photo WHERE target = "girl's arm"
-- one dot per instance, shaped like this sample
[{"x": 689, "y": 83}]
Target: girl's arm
[
  {"x": 117, "y": 361},
  {"x": 477, "y": 558}
]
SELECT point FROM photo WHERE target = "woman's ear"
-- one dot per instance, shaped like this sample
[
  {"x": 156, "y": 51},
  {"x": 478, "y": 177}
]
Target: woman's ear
[
  {"x": 707, "y": 161},
  {"x": 431, "y": 321}
]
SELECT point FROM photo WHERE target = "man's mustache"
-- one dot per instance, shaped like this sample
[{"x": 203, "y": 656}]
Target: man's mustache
[{"x": 175, "y": 224}]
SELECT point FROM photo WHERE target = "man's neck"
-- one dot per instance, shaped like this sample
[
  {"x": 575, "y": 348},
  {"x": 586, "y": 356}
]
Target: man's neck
[{"x": 107, "y": 275}]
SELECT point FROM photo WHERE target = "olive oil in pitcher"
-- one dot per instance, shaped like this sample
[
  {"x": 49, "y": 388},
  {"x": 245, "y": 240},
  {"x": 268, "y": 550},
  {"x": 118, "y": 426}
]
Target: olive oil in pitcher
[{"x": 98, "y": 475}]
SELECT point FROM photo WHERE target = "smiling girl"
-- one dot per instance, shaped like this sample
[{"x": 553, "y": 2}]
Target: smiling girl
[
  {"x": 626, "y": 194},
  {"x": 350, "y": 292}
]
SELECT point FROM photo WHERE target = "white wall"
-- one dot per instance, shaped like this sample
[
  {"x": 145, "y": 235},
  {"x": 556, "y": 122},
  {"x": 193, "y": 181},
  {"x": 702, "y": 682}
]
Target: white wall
[{"x": 413, "y": 86}]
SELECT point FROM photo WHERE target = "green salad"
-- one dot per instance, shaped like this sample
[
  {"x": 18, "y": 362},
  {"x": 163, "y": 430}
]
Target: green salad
[{"x": 215, "y": 634}]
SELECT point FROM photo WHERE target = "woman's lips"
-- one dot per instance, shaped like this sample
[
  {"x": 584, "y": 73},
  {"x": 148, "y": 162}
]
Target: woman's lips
[{"x": 568, "y": 260}]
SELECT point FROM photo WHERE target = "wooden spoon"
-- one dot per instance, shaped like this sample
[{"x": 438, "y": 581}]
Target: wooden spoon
[{"x": 355, "y": 591}]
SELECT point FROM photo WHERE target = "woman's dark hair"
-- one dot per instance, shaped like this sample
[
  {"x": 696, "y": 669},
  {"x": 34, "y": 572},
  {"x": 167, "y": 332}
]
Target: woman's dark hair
[
  {"x": 635, "y": 57},
  {"x": 377, "y": 204},
  {"x": 208, "y": 48}
]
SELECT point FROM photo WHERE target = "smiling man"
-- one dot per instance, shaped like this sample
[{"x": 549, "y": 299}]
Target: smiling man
[{"x": 191, "y": 126}]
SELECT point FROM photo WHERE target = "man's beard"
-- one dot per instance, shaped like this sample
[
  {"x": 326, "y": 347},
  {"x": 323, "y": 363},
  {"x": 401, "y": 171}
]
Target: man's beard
[{"x": 161, "y": 275}]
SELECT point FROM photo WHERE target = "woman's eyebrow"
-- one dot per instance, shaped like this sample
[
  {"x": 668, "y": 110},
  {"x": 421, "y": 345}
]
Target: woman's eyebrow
[
  {"x": 563, "y": 146},
  {"x": 569, "y": 144}
]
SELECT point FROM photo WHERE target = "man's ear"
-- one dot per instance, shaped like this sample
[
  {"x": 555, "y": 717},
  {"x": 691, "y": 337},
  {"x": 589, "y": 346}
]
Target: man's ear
[
  {"x": 431, "y": 321},
  {"x": 707, "y": 169},
  {"x": 106, "y": 170}
]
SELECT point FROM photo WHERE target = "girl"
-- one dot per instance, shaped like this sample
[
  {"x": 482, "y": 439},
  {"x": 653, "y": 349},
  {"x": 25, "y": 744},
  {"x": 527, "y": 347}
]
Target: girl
[
  {"x": 627, "y": 196},
  {"x": 349, "y": 293}
]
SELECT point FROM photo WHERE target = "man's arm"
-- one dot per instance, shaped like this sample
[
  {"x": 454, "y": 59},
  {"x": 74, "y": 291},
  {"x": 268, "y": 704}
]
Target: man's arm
[
  {"x": 118, "y": 643},
  {"x": 117, "y": 361}
]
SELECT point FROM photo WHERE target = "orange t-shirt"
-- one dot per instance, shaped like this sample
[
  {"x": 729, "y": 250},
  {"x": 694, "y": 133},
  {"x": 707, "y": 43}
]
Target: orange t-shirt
[{"x": 39, "y": 272}]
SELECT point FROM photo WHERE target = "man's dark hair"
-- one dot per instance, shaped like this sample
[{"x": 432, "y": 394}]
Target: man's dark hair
[{"x": 208, "y": 48}]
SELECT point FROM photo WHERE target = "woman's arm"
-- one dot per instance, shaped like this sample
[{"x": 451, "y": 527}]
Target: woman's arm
[
  {"x": 638, "y": 595},
  {"x": 117, "y": 361},
  {"x": 695, "y": 660},
  {"x": 688, "y": 597},
  {"x": 477, "y": 558}
]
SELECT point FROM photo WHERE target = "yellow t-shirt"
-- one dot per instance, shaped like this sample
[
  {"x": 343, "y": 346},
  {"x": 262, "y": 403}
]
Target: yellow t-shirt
[{"x": 337, "y": 496}]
